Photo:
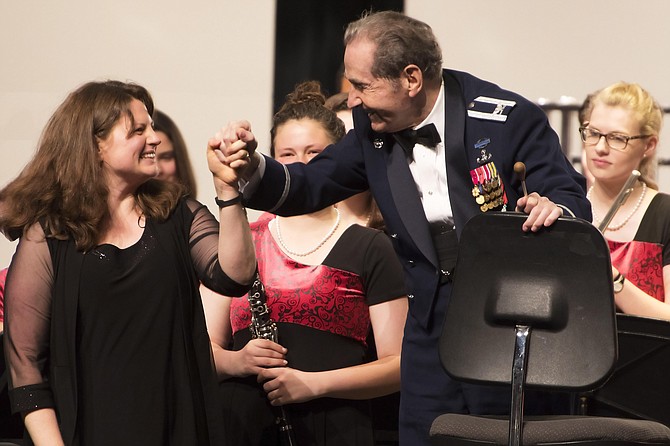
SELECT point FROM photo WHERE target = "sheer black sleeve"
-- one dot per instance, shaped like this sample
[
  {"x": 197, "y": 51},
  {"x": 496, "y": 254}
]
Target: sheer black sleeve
[
  {"x": 204, "y": 246},
  {"x": 28, "y": 294}
]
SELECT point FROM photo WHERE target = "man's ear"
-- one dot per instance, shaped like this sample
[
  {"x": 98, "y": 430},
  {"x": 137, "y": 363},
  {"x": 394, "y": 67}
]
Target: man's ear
[{"x": 412, "y": 79}]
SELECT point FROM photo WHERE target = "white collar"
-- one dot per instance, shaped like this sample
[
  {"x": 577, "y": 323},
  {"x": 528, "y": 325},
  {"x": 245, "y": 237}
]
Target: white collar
[{"x": 436, "y": 115}]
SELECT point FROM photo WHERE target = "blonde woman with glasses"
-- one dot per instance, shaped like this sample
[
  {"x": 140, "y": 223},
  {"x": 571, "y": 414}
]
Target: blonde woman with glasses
[{"x": 620, "y": 133}]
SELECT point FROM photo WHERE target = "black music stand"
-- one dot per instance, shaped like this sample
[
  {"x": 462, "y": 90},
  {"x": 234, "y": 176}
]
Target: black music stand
[
  {"x": 640, "y": 386},
  {"x": 533, "y": 310}
]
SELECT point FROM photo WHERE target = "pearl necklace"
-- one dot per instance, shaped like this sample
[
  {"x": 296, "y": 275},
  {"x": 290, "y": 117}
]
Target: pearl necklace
[
  {"x": 628, "y": 217},
  {"x": 313, "y": 250}
]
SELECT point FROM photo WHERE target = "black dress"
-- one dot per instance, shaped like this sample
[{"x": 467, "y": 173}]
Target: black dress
[{"x": 128, "y": 353}]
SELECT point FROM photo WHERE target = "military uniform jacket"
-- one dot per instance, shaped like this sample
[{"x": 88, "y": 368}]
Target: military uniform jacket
[{"x": 487, "y": 128}]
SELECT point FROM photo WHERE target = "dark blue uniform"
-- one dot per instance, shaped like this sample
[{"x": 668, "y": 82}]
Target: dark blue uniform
[{"x": 488, "y": 130}]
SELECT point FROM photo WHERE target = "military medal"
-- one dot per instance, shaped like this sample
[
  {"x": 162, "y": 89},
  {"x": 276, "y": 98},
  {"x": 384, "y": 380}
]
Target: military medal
[{"x": 488, "y": 189}]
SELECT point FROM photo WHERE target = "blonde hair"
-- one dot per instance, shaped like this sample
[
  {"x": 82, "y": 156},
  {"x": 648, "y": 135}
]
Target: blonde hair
[{"x": 646, "y": 112}]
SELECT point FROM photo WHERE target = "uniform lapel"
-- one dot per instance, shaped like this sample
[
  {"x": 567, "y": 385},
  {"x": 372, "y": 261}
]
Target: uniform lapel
[
  {"x": 458, "y": 172},
  {"x": 408, "y": 202}
]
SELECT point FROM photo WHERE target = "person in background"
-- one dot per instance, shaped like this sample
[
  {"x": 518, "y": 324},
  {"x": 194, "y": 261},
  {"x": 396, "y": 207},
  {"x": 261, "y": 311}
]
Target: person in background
[
  {"x": 435, "y": 147},
  {"x": 327, "y": 282},
  {"x": 338, "y": 103},
  {"x": 360, "y": 208},
  {"x": 620, "y": 132},
  {"x": 172, "y": 154},
  {"x": 105, "y": 335}
]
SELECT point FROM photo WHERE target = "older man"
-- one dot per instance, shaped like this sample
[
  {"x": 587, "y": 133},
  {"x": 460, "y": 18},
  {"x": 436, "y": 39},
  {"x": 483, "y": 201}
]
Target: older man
[{"x": 435, "y": 147}]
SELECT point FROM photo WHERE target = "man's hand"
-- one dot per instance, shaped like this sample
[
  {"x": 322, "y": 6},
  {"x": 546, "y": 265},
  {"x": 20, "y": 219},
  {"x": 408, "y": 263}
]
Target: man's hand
[
  {"x": 237, "y": 131},
  {"x": 541, "y": 211},
  {"x": 226, "y": 169},
  {"x": 230, "y": 153}
]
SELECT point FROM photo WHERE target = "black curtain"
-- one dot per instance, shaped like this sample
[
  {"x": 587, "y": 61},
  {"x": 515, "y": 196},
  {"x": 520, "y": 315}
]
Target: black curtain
[{"x": 308, "y": 41}]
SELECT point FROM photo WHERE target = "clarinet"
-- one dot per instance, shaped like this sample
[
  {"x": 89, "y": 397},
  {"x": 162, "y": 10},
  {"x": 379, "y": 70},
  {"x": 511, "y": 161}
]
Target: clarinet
[
  {"x": 620, "y": 199},
  {"x": 263, "y": 327}
]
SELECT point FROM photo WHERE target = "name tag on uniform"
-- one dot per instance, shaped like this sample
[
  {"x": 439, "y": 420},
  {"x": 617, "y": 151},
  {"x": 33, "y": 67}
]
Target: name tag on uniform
[{"x": 491, "y": 109}]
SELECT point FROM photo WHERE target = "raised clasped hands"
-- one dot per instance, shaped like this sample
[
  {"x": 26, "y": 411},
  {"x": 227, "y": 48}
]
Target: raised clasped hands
[
  {"x": 230, "y": 152},
  {"x": 542, "y": 212}
]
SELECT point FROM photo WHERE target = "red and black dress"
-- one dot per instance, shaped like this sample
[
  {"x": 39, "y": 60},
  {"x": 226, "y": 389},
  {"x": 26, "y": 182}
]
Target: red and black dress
[
  {"x": 323, "y": 320},
  {"x": 642, "y": 260}
]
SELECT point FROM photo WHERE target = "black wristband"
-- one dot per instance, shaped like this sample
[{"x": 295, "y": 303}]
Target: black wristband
[{"x": 225, "y": 203}]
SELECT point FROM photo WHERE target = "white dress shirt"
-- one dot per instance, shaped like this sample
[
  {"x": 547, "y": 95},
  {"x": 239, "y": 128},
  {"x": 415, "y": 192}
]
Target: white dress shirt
[{"x": 429, "y": 168}]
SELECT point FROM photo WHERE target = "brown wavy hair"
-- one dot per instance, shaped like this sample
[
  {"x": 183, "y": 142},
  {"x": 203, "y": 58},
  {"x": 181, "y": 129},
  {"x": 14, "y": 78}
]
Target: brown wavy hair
[
  {"x": 307, "y": 101},
  {"x": 63, "y": 186}
]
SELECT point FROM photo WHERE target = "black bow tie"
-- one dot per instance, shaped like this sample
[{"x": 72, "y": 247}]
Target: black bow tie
[{"x": 426, "y": 135}]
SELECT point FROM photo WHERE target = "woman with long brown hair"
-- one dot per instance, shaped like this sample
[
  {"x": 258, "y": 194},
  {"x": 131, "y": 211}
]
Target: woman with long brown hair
[{"x": 105, "y": 336}]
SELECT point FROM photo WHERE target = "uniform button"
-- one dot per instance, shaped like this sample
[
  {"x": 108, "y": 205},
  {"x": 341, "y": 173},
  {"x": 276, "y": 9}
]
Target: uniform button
[
  {"x": 410, "y": 262},
  {"x": 410, "y": 296},
  {"x": 394, "y": 235}
]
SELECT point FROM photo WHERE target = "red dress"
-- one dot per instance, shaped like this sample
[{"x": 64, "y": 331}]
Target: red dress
[
  {"x": 642, "y": 260},
  {"x": 641, "y": 264}
]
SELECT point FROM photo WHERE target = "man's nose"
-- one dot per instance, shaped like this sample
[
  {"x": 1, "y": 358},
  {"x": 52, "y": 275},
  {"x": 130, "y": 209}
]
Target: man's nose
[{"x": 353, "y": 99}]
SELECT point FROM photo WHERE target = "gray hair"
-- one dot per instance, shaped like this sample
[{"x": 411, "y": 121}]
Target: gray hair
[{"x": 400, "y": 40}]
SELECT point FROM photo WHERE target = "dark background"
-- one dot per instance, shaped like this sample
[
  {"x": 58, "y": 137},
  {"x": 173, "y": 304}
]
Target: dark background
[{"x": 309, "y": 41}]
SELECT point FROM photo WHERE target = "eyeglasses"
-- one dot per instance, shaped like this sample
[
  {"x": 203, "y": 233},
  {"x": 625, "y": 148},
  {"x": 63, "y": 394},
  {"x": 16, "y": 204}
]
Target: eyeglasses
[{"x": 616, "y": 141}]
